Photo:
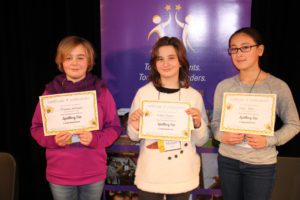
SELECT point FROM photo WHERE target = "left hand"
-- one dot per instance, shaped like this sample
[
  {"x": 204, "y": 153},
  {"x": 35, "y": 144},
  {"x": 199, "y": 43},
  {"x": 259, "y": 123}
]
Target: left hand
[
  {"x": 62, "y": 138},
  {"x": 196, "y": 115},
  {"x": 85, "y": 137},
  {"x": 256, "y": 141}
]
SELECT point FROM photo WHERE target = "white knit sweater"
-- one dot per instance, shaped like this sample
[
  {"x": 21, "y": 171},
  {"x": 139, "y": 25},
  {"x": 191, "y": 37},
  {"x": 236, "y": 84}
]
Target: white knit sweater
[{"x": 175, "y": 171}]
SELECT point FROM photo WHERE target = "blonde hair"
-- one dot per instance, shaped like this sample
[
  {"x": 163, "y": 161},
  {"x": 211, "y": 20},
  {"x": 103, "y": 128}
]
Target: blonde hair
[{"x": 67, "y": 44}]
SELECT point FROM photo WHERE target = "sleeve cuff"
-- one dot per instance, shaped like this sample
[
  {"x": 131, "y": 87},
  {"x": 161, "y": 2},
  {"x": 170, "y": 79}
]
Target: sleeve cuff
[{"x": 132, "y": 133}]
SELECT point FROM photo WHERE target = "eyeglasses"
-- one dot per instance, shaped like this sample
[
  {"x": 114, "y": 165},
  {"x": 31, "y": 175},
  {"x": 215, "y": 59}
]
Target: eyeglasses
[{"x": 244, "y": 49}]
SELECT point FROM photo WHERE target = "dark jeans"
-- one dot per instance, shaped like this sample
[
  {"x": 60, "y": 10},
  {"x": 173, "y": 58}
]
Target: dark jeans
[
  {"x": 243, "y": 181},
  {"x": 156, "y": 196}
]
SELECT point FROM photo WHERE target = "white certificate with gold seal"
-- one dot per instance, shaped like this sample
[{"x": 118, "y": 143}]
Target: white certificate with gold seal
[
  {"x": 250, "y": 113},
  {"x": 69, "y": 112},
  {"x": 165, "y": 120}
]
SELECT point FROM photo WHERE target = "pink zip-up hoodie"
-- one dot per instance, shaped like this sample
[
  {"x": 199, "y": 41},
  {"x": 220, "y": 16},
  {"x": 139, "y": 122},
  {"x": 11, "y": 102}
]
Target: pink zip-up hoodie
[{"x": 76, "y": 164}]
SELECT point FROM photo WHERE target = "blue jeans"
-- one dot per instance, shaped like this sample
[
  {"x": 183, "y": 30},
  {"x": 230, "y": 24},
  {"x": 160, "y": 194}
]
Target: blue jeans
[
  {"x": 82, "y": 192},
  {"x": 243, "y": 181}
]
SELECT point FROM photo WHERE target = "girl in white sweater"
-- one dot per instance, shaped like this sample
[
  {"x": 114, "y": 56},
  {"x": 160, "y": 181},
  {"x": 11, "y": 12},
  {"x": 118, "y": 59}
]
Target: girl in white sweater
[{"x": 174, "y": 173}]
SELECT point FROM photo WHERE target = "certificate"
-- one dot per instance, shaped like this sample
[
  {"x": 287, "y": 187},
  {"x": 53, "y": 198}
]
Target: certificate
[
  {"x": 248, "y": 113},
  {"x": 69, "y": 112},
  {"x": 165, "y": 121}
]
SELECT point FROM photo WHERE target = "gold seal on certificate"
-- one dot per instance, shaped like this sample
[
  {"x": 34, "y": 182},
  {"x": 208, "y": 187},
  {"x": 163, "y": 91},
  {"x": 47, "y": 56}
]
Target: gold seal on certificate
[
  {"x": 165, "y": 121},
  {"x": 69, "y": 112},
  {"x": 248, "y": 113}
]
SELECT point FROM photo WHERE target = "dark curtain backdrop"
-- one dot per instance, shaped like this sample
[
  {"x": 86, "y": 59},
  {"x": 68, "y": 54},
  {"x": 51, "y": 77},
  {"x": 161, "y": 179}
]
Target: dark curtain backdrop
[{"x": 30, "y": 31}]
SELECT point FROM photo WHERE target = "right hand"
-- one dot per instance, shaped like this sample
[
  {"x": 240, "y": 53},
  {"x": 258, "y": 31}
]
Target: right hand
[
  {"x": 232, "y": 138},
  {"x": 134, "y": 119},
  {"x": 62, "y": 138}
]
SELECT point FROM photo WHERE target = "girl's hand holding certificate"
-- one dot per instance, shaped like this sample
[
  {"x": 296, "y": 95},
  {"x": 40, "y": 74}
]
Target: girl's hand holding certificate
[
  {"x": 196, "y": 115},
  {"x": 64, "y": 138},
  {"x": 134, "y": 119},
  {"x": 255, "y": 141},
  {"x": 85, "y": 137},
  {"x": 232, "y": 138}
]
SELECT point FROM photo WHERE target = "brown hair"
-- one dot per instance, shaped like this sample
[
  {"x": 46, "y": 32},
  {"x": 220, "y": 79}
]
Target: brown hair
[
  {"x": 67, "y": 44},
  {"x": 154, "y": 76}
]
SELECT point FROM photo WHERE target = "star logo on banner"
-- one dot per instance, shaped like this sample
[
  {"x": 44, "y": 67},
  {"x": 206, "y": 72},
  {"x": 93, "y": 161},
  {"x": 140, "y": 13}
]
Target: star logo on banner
[
  {"x": 185, "y": 24},
  {"x": 168, "y": 7},
  {"x": 178, "y": 7}
]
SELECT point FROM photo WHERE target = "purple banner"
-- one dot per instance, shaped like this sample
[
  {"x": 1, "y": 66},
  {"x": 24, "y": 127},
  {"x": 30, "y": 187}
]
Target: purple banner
[{"x": 130, "y": 28}]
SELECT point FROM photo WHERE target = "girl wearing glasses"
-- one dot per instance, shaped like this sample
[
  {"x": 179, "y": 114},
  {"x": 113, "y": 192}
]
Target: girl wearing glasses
[{"x": 247, "y": 161}]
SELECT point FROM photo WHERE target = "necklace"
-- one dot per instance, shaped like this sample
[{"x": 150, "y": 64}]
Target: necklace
[{"x": 255, "y": 81}]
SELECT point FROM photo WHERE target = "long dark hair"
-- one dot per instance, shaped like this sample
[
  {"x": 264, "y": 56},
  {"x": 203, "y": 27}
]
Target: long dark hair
[{"x": 154, "y": 76}]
